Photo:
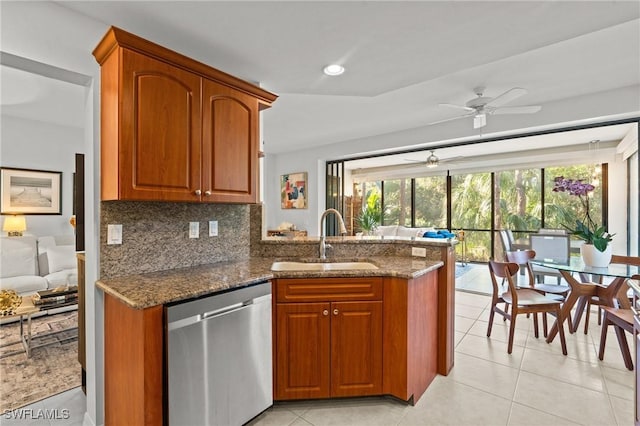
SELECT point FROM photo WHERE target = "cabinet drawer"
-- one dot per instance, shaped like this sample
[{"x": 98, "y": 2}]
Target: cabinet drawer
[{"x": 328, "y": 289}]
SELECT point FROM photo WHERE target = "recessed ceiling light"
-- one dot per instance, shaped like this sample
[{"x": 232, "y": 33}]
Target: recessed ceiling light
[{"x": 333, "y": 69}]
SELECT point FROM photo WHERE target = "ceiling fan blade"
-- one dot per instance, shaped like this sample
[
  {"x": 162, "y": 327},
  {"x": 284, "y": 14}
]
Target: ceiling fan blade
[
  {"x": 452, "y": 118},
  {"x": 456, "y": 159},
  {"x": 466, "y": 108},
  {"x": 479, "y": 120},
  {"x": 530, "y": 109},
  {"x": 507, "y": 96}
]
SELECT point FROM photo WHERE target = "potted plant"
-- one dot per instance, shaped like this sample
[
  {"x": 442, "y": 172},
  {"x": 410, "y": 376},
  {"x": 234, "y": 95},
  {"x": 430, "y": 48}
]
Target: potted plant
[
  {"x": 596, "y": 250},
  {"x": 369, "y": 218}
]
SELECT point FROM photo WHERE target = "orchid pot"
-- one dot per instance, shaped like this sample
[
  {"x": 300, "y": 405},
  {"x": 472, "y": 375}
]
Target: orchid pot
[{"x": 595, "y": 258}]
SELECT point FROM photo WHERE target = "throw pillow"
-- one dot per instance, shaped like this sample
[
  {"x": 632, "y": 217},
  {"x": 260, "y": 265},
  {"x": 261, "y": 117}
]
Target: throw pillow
[
  {"x": 16, "y": 262},
  {"x": 61, "y": 257}
]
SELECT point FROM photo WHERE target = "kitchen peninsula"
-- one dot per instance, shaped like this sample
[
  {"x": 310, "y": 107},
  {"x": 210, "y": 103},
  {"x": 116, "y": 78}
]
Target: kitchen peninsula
[
  {"x": 381, "y": 331},
  {"x": 412, "y": 297}
]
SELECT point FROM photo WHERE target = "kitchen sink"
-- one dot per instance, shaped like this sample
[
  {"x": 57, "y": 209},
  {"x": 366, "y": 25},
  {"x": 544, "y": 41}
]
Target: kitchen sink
[{"x": 322, "y": 266}]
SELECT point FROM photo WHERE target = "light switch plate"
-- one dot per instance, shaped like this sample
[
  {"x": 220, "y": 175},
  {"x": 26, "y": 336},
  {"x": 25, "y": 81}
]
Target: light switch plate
[
  {"x": 114, "y": 234},
  {"x": 213, "y": 228},
  {"x": 194, "y": 229}
]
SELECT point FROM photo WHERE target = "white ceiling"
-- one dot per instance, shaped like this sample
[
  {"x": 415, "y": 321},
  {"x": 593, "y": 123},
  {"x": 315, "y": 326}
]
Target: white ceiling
[
  {"x": 34, "y": 97},
  {"x": 401, "y": 58}
]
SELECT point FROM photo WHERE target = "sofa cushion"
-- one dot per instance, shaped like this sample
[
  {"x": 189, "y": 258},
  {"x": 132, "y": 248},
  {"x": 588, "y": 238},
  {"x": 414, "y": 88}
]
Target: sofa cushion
[
  {"x": 47, "y": 242},
  {"x": 18, "y": 256},
  {"x": 60, "y": 258},
  {"x": 387, "y": 230},
  {"x": 62, "y": 278},
  {"x": 25, "y": 284},
  {"x": 410, "y": 232}
]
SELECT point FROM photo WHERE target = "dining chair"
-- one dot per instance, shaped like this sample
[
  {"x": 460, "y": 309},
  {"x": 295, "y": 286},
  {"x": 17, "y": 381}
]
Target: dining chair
[
  {"x": 551, "y": 248},
  {"x": 510, "y": 237},
  {"x": 559, "y": 292},
  {"x": 522, "y": 301},
  {"x": 506, "y": 242},
  {"x": 552, "y": 231},
  {"x": 595, "y": 300},
  {"x": 621, "y": 320}
]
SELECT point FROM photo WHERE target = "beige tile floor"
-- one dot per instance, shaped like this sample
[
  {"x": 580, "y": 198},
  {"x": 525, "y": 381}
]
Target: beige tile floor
[{"x": 535, "y": 385}]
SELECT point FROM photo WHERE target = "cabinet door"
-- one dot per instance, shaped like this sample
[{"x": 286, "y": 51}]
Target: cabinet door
[
  {"x": 302, "y": 351},
  {"x": 356, "y": 348},
  {"x": 160, "y": 131},
  {"x": 230, "y": 144}
]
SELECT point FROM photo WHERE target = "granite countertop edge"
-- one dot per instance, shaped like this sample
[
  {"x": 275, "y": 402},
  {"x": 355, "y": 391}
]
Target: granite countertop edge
[
  {"x": 146, "y": 290},
  {"x": 440, "y": 242}
]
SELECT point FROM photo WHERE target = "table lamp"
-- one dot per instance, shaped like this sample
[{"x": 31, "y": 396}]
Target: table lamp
[{"x": 14, "y": 226}]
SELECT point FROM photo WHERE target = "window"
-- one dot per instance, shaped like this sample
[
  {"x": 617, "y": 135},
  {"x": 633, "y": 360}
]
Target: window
[
  {"x": 561, "y": 209},
  {"x": 518, "y": 199},
  {"x": 517, "y": 204},
  {"x": 431, "y": 202},
  {"x": 471, "y": 210},
  {"x": 397, "y": 202}
]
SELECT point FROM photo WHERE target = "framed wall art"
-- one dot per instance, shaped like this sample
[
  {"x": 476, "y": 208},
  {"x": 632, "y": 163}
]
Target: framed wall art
[
  {"x": 293, "y": 191},
  {"x": 27, "y": 191}
]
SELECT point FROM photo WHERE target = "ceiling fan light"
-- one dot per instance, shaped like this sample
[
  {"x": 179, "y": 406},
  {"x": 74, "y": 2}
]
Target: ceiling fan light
[
  {"x": 432, "y": 161},
  {"x": 479, "y": 120}
]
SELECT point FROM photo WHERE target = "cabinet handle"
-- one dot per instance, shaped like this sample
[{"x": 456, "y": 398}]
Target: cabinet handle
[
  {"x": 207, "y": 193},
  {"x": 335, "y": 312},
  {"x": 325, "y": 312},
  {"x": 198, "y": 192}
]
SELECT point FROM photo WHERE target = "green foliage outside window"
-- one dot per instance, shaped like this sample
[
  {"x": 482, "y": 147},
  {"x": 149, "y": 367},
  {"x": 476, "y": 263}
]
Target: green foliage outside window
[{"x": 517, "y": 200}]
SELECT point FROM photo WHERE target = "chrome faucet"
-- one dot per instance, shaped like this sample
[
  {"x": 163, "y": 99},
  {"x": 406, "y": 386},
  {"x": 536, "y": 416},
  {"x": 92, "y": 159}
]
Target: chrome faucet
[{"x": 343, "y": 230}]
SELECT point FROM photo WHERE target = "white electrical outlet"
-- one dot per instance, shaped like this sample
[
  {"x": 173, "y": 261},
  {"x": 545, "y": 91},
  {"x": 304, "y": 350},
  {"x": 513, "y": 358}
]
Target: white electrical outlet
[
  {"x": 419, "y": 251},
  {"x": 194, "y": 229},
  {"x": 114, "y": 234},
  {"x": 213, "y": 228}
]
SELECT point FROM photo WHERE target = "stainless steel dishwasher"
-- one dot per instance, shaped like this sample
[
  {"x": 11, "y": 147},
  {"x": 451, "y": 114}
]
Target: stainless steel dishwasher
[{"x": 219, "y": 358}]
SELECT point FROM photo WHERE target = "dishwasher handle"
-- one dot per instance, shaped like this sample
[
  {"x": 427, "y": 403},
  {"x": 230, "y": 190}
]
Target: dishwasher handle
[
  {"x": 174, "y": 325},
  {"x": 225, "y": 310}
]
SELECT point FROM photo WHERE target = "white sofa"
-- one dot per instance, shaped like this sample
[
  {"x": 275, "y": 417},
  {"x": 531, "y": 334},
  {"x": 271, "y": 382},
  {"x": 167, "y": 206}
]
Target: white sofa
[
  {"x": 29, "y": 264},
  {"x": 400, "y": 231}
]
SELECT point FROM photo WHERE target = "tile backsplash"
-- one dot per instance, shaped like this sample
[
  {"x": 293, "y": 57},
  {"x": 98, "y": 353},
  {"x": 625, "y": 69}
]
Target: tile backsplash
[{"x": 155, "y": 236}]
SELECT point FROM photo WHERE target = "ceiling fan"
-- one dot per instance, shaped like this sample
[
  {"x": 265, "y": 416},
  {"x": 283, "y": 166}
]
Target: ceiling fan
[
  {"x": 433, "y": 160},
  {"x": 480, "y": 107}
]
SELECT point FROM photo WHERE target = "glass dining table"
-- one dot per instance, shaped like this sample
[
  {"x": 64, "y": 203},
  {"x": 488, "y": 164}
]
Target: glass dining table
[{"x": 613, "y": 294}]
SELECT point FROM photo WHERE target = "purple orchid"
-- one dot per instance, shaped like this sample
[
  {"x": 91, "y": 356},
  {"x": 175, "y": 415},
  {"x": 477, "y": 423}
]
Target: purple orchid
[{"x": 586, "y": 230}]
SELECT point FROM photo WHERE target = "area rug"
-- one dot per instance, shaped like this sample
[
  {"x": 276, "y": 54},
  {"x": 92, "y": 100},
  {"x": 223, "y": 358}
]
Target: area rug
[{"x": 50, "y": 370}]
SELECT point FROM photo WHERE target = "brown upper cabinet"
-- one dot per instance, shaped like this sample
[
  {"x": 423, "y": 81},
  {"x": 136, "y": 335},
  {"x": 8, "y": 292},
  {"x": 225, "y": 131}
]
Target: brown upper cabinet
[{"x": 174, "y": 129}]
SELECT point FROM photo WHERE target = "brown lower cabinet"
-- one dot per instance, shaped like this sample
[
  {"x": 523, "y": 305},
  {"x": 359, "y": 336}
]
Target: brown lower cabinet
[
  {"x": 329, "y": 349},
  {"x": 333, "y": 337},
  {"x": 338, "y": 337}
]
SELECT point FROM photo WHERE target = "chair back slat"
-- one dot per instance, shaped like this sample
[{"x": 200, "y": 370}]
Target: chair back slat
[
  {"x": 522, "y": 257},
  {"x": 629, "y": 260},
  {"x": 504, "y": 270},
  {"x": 506, "y": 243}
]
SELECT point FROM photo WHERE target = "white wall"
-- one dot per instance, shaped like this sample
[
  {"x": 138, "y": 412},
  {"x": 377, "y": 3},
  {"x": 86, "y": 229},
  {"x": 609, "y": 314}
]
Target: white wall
[
  {"x": 29, "y": 144},
  {"x": 49, "y": 33},
  {"x": 618, "y": 204}
]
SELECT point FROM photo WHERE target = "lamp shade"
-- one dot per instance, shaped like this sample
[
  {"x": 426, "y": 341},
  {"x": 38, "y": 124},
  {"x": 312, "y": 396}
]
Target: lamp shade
[{"x": 14, "y": 225}]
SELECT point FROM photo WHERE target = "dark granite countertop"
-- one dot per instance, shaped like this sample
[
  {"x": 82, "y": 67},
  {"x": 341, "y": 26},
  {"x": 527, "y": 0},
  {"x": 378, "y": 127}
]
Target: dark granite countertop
[{"x": 158, "y": 288}]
